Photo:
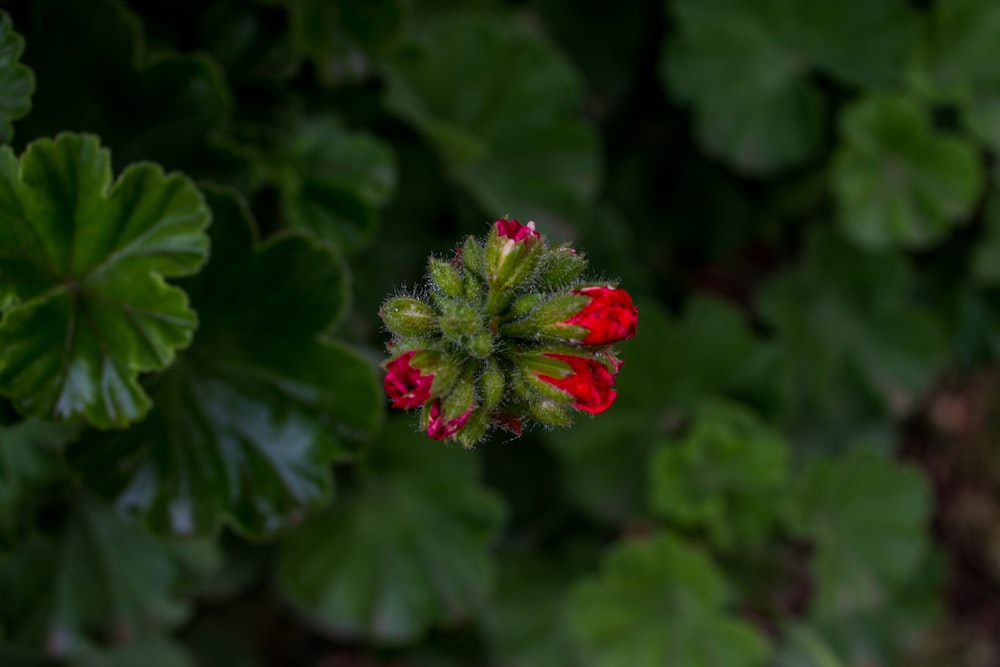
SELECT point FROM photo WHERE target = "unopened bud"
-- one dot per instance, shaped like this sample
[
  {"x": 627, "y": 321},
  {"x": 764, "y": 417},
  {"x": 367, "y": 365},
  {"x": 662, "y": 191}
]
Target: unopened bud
[
  {"x": 479, "y": 345},
  {"x": 491, "y": 385},
  {"x": 406, "y": 316},
  {"x": 472, "y": 257},
  {"x": 459, "y": 320},
  {"x": 475, "y": 428},
  {"x": 446, "y": 278},
  {"x": 563, "y": 265}
]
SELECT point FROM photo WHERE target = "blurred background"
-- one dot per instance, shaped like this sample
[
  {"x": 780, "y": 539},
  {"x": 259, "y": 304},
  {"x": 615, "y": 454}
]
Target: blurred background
[{"x": 802, "y": 468}]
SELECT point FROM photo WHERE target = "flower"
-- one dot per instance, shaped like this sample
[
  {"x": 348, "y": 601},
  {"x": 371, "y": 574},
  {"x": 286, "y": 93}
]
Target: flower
[
  {"x": 589, "y": 382},
  {"x": 609, "y": 317},
  {"x": 439, "y": 428},
  {"x": 405, "y": 384},
  {"x": 516, "y": 232}
]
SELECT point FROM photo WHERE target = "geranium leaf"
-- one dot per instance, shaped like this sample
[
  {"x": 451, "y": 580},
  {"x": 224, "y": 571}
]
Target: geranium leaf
[
  {"x": 851, "y": 355},
  {"x": 868, "y": 519},
  {"x": 150, "y": 651},
  {"x": 513, "y": 138},
  {"x": 957, "y": 58},
  {"x": 773, "y": 115},
  {"x": 726, "y": 477},
  {"x": 899, "y": 182},
  {"x": 29, "y": 459},
  {"x": 527, "y": 622},
  {"x": 246, "y": 423},
  {"x": 82, "y": 260},
  {"x": 161, "y": 108},
  {"x": 661, "y": 602},
  {"x": 343, "y": 39},
  {"x": 332, "y": 180},
  {"x": 767, "y": 118},
  {"x": 17, "y": 81},
  {"x": 406, "y": 550},
  {"x": 97, "y": 577}
]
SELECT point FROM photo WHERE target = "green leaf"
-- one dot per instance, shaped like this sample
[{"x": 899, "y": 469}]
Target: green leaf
[
  {"x": 343, "y": 39},
  {"x": 661, "y": 602},
  {"x": 769, "y": 117},
  {"x": 83, "y": 261},
  {"x": 29, "y": 459},
  {"x": 527, "y": 623},
  {"x": 868, "y": 518},
  {"x": 957, "y": 60},
  {"x": 671, "y": 367},
  {"x": 332, "y": 181},
  {"x": 147, "y": 651},
  {"x": 899, "y": 182},
  {"x": 513, "y": 137},
  {"x": 162, "y": 108},
  {"x": 246, "y": 422},
  {"x": 407, "y": 550},
  {"x": 855, "y": 345},
  {"x": 17, "y": 81},
  {"x": 97, "y": 577},
  {"x": 726, "y": 477},
  {"x": 986, "y": 254},
  {"x": 772, "y": 115}
]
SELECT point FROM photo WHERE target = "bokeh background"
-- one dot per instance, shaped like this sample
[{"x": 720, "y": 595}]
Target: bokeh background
[{"x": 802, "y": 467}]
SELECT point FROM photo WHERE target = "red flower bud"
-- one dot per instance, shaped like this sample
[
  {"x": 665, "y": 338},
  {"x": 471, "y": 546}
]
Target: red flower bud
[
  {"x": 609, "y": 317},
  {"x": 440, "y": 428},
  {"x": 515, "y": 231},
  {"x": 589, "y": 382},
  {"x": 406, "y": 385}
]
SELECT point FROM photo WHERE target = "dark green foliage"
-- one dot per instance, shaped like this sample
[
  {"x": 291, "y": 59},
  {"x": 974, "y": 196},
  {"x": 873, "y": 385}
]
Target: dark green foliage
[{"x": 205, "y": 204}]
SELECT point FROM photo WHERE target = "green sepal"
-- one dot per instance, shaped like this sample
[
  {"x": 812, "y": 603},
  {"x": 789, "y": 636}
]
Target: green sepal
[
  {"x": 551, "y": 412},
  {"x": 446, "y": 278},
  {"x": 546, "y": 317},
  {"x": 524, "y": 305},
  {"x": 407, "y": 316},
  {"x": 491, "y": 385},
  {"x": 561, "y": 266}
]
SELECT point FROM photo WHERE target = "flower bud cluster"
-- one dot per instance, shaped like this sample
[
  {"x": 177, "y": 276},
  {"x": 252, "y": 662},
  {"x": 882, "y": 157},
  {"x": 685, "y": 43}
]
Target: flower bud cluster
[{"x": 509, "y": 331}]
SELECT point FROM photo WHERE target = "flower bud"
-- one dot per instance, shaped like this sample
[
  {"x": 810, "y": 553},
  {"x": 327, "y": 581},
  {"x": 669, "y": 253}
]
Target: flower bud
[
  {"x": 406, "y": 316},
  {"x": 459, "y": 320},
  {"x": 491, "y": 385},
  {"x": 609, "y": 317},
  {"x": 511, "y": 251},
  {"x": 407, "y": 385},
  {"x": 472, "y": 257},
  {"x": 479, "y": 345},
  {"x": 440, "y": 427},
  {"x": 446, "y": 278},
  {"x": 474, "y": 428},
  {"x": 563, "y": 265},
  {"x": 587, "y": 382},
  {"x": 416, "y": 376}
]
